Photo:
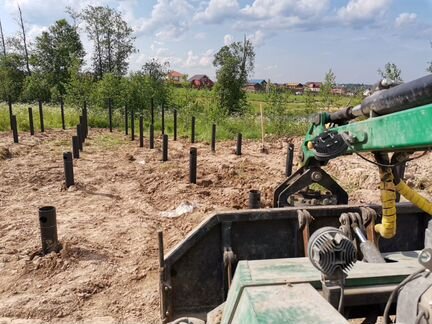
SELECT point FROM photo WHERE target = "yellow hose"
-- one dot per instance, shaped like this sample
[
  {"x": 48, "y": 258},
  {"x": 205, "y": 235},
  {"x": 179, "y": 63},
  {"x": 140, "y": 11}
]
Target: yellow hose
[
  {"x": 414, "y": 197},
  {"x": 387, "y": 228}
]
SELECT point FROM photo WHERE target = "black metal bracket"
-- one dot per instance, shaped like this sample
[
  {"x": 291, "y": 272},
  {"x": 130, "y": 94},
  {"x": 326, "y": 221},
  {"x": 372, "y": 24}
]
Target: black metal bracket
[
  {"x": 302, "y": 179},
  {"x": 229, "y": 257}
]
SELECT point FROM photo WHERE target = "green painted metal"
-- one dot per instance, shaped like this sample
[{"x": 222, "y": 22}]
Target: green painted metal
[
  {"x": 259, "y": 285},
  {"x": 299, "y": 303},
  {"x": 405, "y": 130}
]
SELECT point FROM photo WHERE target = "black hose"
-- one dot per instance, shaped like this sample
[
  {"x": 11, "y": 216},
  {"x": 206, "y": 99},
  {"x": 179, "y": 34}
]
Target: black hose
[
  {"x": 405, "y": 96},
  {"x": 396, "y": 290}
]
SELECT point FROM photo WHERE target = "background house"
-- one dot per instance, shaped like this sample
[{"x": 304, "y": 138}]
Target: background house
[
  {"x": 296, "y": 88},
  {"x": 256, "y": 85},
  {"x": 338, "y": 91},
  {"x": 201, "y": 81},
  {"x": 175, "y": 77},
  {"x": 313, "y": 86}
]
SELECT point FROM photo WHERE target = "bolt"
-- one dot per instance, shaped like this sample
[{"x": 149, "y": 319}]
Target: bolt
[
  {"x": 425, "y": 256},
  {"x": 316, "y": 176}
]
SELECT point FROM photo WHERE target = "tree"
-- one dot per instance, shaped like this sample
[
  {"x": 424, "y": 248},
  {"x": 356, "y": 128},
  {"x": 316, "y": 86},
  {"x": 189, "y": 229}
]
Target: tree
[
  {"x": 24, "y": 41},
  {"x": 80, "y": 86},
  {"x": 19, "y": 46},
  {"x": 309, "y": 101},
  {"x": 54, "y": 53},
  {"x": 36, "y": 87},
  {"x": 155, "y": 73},
  {"x": 391, "y": 72},
  {"x": 11, "y": 76},
  {"x": 326, "y": 89},
  {"x": 2, "y": 40},
  {"x": 112, "y": 39},
  {"x": 277, "y": 110},
  {"x": 137, "y": 93},
  {"x": 234, "y": 63},
  {"x": 110, "y": 87}
]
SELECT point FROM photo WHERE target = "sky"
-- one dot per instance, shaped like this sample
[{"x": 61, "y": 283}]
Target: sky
[{"x": 295, "y": 40}]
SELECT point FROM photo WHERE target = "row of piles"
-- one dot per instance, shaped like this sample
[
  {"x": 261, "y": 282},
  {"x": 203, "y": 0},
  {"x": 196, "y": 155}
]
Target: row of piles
[{"x": 14, "y": 124}]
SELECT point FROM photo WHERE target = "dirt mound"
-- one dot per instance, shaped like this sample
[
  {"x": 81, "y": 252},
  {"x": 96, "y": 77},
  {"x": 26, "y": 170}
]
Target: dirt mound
[{"x": 5, "y": 153}]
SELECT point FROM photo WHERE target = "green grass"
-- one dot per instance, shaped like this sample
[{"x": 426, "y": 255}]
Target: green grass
[
  {"x": 295, "y": 122},
  {"x": 108, "y": 141}
]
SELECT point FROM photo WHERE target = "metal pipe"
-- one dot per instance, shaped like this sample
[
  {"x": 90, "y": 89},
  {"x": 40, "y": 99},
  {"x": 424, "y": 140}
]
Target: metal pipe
[
  {"x": 85, "y": 118},
  {"x": 110, "y": 114},
  {"x": 193, "y": 165},
  {"x": 75, "y": 147},
  {"x": 48, "y": 229},
  {"x": 30, "y": 112},
  {"x": 175, "y": 124},
  {"x": 193, "y": 130},
  {"x": 68, "y": 169},
  {"x": 78, "y": 130},
  {"x": 82, "y": 123},
  {"x": 41, "y": 117},
  {"x": 163, "y": 118},
  {"x": 161, "y": 249},
  {"x": 10, "y": 110},
  {"x": 239, "y": 144},
  {"x": 152, "y": 136},
  {"x": 359, "y": 234},
  {"x": 132, "y": 125},
  {"x": 289, "y": 160},
  {"x": 14, "y": 129},
  {"x": 164, "y": 147},
  {"x": 213, "y": 138},
  {"x": 141, "y": 131},
  {"x": 62, "y": 114},
  {"x": 162, "y": 292},
  {"x": 370, "y": 252},
  {"x": 152, "y": 110},
  {"x": 126, "y": 120},
  {"x": 254, "y": 199}
]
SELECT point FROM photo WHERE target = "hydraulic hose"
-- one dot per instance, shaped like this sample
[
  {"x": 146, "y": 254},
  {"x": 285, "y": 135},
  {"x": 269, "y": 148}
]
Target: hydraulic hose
[
  {"x": 387, "y": 228},
  {"x": 414, "y": 197}
]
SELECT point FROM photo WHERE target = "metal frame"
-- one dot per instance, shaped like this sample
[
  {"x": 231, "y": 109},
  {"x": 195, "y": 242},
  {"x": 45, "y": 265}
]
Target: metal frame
[
  {"x": 303, "y": 178},
  {"x": 195, "y": 276}
]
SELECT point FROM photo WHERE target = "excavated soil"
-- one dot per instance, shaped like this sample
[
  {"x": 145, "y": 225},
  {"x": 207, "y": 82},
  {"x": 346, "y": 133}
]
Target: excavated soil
[{"x": 107, "y": 271}]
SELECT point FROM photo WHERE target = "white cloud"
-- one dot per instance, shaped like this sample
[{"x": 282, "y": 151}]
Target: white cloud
[
  {"x": 228, "y": 39},
  {"x": 405, "y": 19},
  {"x": 287, "y": 8},
  {"x": 158, "y": 50},
  {"x": 203, "y": 60},
  {"x": 200, "y": 36},
  {"x": 37, "y": 10},
  {"x": 357, "y": 11},
  {"x": 217, "y": 11},
  {"x": 169, "y": 17},
  {"x": 34, "y": 31},
  {"x": 257, "y": 38}
]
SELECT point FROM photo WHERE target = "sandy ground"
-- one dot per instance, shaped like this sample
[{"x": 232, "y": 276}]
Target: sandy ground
[{"x": 108, "y": 221}]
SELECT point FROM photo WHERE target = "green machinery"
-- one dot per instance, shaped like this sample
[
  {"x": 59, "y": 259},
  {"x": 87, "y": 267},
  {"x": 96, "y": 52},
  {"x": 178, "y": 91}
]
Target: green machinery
[{"x": 314, "y": 258}]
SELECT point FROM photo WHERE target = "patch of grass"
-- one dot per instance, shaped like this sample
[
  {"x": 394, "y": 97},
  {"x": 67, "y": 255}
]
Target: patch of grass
[{"x": 108, "y": 141}]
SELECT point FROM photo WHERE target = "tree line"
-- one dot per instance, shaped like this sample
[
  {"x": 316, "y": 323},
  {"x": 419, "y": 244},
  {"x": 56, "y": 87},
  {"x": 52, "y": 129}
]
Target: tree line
[{"x": 53, "y": 68}]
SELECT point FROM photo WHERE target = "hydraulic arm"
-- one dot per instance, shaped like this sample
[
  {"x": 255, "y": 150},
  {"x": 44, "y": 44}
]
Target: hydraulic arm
[{"x": 394, "y": 120}]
